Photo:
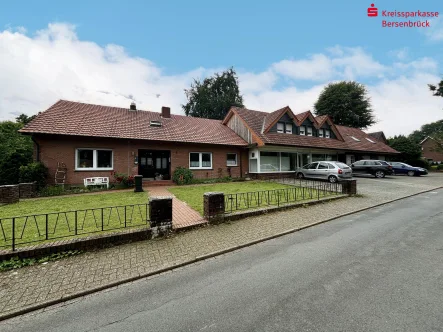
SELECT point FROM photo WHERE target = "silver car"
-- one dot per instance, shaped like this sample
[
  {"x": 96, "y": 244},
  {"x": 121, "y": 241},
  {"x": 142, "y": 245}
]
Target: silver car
[{"x": 333, "y": 171}]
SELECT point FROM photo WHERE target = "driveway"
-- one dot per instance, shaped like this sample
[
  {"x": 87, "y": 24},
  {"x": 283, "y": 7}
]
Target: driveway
[{"x": 392, "y": 187}]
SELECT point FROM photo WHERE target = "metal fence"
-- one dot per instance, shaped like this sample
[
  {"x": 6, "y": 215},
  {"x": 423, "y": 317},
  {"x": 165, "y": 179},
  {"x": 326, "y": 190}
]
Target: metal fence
[
  {"x": 17, "y": 231},
  {"x": 300, "y": 190}
]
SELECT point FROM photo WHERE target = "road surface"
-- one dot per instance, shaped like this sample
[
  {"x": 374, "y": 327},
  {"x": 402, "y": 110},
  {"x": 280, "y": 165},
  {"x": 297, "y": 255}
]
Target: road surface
[{"x": 379, "y": 270}]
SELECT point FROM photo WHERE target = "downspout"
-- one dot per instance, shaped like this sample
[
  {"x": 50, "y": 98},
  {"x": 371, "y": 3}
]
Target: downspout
[{"x": 37, "y": 157}]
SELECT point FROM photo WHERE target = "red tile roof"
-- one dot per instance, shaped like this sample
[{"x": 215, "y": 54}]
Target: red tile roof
[
  {"x": 79, "y": 119},
  {"x": 255, "y": 120}
]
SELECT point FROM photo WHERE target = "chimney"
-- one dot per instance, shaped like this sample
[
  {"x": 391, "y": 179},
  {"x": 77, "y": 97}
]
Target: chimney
[
  {"x": 133, "y": 107},
  {"x": 166, "y": 112}
]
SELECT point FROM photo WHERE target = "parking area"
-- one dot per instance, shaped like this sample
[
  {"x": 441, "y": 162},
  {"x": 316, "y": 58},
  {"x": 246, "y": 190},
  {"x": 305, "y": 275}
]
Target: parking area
[{"x": 391, "y": 187}]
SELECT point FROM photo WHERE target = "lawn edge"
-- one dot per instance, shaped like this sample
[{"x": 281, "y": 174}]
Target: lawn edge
[{"x": 194, "y": 260}]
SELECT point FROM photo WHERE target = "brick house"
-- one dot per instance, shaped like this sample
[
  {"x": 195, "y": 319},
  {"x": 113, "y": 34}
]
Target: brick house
[
  {"x": 93, "y": 140},
  {"x": 432, "y": 149}
]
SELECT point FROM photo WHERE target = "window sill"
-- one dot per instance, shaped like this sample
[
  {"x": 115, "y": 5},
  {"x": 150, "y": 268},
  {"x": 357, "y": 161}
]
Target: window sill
[
  {"x": 92, "y": 169},
  {"x": 200, "y": 168},
  {"x": 231, "y": 165}
]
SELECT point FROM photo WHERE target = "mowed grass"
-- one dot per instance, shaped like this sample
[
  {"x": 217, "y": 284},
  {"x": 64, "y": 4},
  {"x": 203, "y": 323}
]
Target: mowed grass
[
  {"x": 96, "y": 212},
  {"x": 258, "y": 197}
]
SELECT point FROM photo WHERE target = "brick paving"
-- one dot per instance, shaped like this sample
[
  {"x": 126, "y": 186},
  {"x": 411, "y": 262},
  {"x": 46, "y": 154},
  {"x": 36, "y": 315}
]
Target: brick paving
[
  {"x": 34, "y": 285},
  {"x": 182, "y": 214}
]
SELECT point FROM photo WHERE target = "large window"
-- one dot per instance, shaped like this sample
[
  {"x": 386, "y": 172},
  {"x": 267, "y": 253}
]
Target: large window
[
  {"x": 283, "y": 127},
  {"x": 200, "y": 160},
  {"x": 93, "y": 159},
  {"x": 280, "y": 127},
  {"x": 288, "y": 161},
  {"x": 277, "y": 162},
  {"x": 231, "y": 159}
]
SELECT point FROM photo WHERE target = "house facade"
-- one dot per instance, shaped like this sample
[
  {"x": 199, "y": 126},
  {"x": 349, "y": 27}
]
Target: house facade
[
  {"x": 93, "y": 140},
  {"x": 432, "y": 150}
]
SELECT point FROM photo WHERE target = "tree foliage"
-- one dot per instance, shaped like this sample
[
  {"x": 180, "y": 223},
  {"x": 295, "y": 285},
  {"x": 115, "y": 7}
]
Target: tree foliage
[
  {"x": 213, "y": 97},
  {"x": 437, "y": 90},
  {"x": 433, "y": 129},
  {"x": 410, "y": 150},
  {"x": 347, "y": 103}
]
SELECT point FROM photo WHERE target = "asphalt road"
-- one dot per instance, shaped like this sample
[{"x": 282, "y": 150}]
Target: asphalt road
[{"x": 379, "y": 270}]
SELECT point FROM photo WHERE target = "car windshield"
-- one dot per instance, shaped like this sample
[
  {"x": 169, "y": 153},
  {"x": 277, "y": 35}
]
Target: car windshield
[{"x": 407, "y": 165}]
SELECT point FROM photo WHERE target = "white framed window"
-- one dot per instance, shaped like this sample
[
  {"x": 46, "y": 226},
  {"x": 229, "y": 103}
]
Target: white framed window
[
  {"x": 320, "y": 133},
  {"x": 327, "y": 133},
  {"x": 231, "y": 159},
  {"x": 200, "y": 160},
  {"x": 309, "y": 131},
  {"x": 280, "y": 127},
  {"x": 288, "y": 128},
  {"x": 370, "y": 140},
  {"x": 87, "y": 159},
  {"x": 355, "y": 139},
  {"x": 302, "y": 130}
]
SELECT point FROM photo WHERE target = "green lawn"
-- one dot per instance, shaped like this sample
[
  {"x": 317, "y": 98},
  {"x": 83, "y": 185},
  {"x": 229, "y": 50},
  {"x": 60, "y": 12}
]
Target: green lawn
[
  {"x": 193, "y": 195},
  {"x": 95, "y": 215}
]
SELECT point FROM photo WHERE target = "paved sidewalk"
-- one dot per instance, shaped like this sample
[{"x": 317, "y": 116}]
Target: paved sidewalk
[
  {"x": 35, "y": 285},
  {"x": 182, "y": 214}
]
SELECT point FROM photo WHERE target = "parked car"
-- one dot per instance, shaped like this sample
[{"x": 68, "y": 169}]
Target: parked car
[
  {"x": 402, "y": 168},
  {"x": 377, "y": 168},
  {"x": 333, "y": 171}
]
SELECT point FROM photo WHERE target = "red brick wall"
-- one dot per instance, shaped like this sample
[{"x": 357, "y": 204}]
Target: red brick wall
[
  {"x": 55, "y": 149},
  {"x": 429, "y": 152}
]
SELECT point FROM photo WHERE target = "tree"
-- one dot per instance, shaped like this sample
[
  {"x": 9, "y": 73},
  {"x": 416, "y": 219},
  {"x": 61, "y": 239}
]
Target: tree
[
  {"x": 410, "y": 150},
  {"x": 431, "y": 129},
  {"x": 213, "y": 97},
  {"x": 347, "y": 103},
  {"x": 24, "y": 119},
  {"x": 437, "y": 90}
]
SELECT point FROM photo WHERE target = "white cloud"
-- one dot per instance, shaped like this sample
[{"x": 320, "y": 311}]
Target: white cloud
[
  {"x": 55, "y": 64},
  {"x": 435, "y": 31}
]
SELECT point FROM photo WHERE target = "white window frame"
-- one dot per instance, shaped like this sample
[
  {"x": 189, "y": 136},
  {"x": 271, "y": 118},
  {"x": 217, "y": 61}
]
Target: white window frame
[
  {"x": 94, "y": 160},
  {"x": 236, "y": 159},
  {"x": 327, "y": 133},
  {"x": 302, "y": 130},
  {"x": 320, "y": 132},
  {"x": 200, "y": 160},
  {"x": 280, "y": 127},
  {"x": 309, "y": 131},
  {"x": 370, "y": 140},
  {"x": 288, "y": 125},
  {"x": 355, "y": 139}
]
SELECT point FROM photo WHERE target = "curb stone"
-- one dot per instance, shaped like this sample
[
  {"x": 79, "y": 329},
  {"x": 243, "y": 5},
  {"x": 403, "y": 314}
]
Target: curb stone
[{"x": 192, "y": 261}]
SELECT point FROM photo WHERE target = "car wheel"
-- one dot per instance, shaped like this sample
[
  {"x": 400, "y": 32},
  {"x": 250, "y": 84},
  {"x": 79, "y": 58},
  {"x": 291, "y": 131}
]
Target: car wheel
[
  {"x": 379, "y": 174},
  {"x": 300, "y": 175},
  {"x": 332, "y": 179},
  {"x": 411, "y": 173}
]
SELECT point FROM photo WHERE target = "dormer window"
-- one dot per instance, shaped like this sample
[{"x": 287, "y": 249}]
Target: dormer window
[
  {"x": 327, "y": 133},
  {"x": 154, "y": 123},
  {"x": 288, "y": 128},
  {"x": 320, "y": 132},
  {"x": 302, "y": 130},
  {"x": 309, "y": 131},
  {"x": 280, "y": 127}
]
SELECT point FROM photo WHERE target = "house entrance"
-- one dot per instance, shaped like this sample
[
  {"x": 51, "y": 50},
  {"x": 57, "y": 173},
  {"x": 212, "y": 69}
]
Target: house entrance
[{"x": 154, "y": 164}]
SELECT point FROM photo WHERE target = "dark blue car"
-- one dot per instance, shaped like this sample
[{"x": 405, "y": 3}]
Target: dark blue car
[{"x": 402, "y": 168}]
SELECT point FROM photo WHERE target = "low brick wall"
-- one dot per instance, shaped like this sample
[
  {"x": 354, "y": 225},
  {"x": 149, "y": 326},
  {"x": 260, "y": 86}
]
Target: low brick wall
[
  {"x": 9, "y": 194},
  {"x": 27, "y": 190},
  {"x": 85, "y": 243}
]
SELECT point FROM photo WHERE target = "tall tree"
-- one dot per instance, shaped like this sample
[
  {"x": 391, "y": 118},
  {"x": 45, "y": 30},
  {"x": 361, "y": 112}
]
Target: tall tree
[
  {"x": 347, "y": 103},
  {"x": 213, "y": 97},
  {"x": 25, "y": 119},
  {"x": 437, "y": 90},
  {"x": 430, "y": 129},
  {"x": 410, "y": 150}
]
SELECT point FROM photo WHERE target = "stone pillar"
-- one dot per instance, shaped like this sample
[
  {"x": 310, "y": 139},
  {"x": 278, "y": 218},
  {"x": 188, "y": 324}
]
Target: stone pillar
[
  {"x": 349, "y": 187},
  {"x": 214, "y": 206},
  {"x": 160, "y": 215},
  {"x": 9, "y": 194},
  {"x": 27, "y": 190}
]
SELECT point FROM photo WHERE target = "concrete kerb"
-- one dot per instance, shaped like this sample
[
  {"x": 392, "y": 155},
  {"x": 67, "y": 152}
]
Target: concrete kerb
[{"x": 194, "y": 260}]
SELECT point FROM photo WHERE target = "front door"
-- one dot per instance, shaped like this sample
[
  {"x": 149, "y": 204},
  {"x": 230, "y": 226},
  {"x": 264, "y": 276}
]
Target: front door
[{"x": 154, "y": 164}]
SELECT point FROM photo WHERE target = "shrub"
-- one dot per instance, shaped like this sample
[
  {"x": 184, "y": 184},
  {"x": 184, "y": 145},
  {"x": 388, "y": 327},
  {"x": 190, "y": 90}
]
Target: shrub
[
  {"x": 182, "y": 176},
  {"x": 10, "y": 166},
  {"x": 34, "y": 172},
  {"x": 440, "y": 167},
  {"x": 123, "y": 179},
  {"x": 420, "y": 163}
]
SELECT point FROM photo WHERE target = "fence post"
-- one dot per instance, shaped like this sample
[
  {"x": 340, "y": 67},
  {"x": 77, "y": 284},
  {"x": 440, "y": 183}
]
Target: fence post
[
  {"x": 47, "y": 226},
  {"x": 160, "y": 215},
  {"x": 13, "y": 234},
  {"x": 75, "y": 223},
  {"x": 214, "y": 206},
  {"x": 102, "y": 219}
]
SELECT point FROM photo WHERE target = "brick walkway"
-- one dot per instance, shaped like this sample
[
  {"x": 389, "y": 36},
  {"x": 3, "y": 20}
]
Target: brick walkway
[
  {"x": 36, "y": 285},
  {"x": 182, "y": 214}
]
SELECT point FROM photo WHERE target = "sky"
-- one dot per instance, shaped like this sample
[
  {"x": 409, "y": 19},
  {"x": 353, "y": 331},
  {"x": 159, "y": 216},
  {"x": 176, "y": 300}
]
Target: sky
[{"x": 284, "y": 52}]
